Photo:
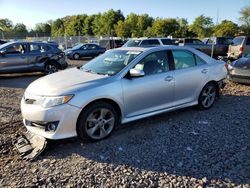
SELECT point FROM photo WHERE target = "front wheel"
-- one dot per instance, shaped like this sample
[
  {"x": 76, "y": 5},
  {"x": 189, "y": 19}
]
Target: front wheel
[
  {"x": 97, "y": 121},
  {"x": 207, "y": 96},
  {"x": 76, "y": 56}
]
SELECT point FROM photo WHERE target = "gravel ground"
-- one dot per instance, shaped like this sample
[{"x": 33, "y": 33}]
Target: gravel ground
[{"x": 185, "y": 148}]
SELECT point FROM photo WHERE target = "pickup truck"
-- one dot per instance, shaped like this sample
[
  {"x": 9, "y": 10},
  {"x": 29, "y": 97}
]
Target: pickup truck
[{"x": 218, "y": 44}]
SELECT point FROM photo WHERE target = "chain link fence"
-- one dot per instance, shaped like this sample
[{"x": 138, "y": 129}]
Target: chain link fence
[{"x": 65, "y": 42}]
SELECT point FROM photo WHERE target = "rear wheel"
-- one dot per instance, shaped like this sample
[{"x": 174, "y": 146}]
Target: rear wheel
[
  {"x": 97, "y": 121},
  {"x": 76, "y": 56},
  {"x": 50, "y": 68},
  {"x": 207, "y": 96}
]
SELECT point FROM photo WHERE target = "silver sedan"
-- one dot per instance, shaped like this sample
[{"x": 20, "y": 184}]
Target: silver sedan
[{"x": 120, "y": 86}]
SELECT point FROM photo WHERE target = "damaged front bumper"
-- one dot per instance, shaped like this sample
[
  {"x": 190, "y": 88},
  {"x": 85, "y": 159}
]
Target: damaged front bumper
[{"x": 30, "y": 145}]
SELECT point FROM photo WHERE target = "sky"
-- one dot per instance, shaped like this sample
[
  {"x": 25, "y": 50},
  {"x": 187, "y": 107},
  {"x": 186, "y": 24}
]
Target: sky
[{"x": 31, "y": 12}]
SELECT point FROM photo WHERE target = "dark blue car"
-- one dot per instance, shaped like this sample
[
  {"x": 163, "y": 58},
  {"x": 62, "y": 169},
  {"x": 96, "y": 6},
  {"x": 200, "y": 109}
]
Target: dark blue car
[{"x": 84, "y": 50}]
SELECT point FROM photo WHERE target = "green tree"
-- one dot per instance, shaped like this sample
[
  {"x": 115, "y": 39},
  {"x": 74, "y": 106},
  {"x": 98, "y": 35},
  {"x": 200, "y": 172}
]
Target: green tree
[
  {"x": 6, "y": 24},
  {"x": 183, "y": 27},
  {"x": 74, "y": 25},
  {"x": 43, "y": 29},
  {"x": 164, "y": 27},
  {"x": 20, "y": 28},
  {"x": 202, "y": 26},
  {"x": 57, "y": 28},
  {"x": 226, "y": 28},
  {"x": 122, "y": 29},
  {"x": 245, "y": 19},
  {"x": 88, "y": 25},
  {"x": 104, "y": 24}
]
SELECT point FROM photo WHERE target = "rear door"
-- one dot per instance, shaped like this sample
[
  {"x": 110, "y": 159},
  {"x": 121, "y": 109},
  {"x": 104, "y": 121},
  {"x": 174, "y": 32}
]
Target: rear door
[
  {"x": 37, "y": 56},
  {"x": 15, "y": 58},
  {"x": 191, "y": 73}
]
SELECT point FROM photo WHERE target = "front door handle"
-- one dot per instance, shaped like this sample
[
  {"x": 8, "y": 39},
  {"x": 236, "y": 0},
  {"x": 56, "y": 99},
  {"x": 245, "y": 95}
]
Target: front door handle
[
  {"x": 204, "y": 71},
  {"x": 169, "y": 78}
]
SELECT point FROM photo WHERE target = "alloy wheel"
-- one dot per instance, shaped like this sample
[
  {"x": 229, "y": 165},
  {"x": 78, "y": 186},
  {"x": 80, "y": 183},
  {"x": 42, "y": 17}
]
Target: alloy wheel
[
  {"x": 99, "y": 123},
  {"x": 208, "y": 96}
]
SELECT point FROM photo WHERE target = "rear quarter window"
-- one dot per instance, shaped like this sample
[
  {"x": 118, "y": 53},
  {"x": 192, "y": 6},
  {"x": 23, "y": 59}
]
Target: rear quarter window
[{"x": 237, "y": 41}]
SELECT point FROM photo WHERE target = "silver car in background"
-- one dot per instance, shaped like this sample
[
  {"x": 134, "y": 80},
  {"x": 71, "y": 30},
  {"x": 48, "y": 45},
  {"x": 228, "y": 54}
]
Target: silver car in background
[{"x": 120, "y": 86}]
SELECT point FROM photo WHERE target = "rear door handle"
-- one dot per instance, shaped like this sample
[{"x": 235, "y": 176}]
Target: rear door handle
[
  {"x": 204, "y": 71},
  {"x": 169, "y": 78}
]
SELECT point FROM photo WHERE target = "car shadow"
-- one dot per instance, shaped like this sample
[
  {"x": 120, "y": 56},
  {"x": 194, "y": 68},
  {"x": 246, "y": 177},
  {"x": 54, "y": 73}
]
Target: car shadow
[
  {"x": 18, "y": 80},
  {"x": 195, "y": 143}
]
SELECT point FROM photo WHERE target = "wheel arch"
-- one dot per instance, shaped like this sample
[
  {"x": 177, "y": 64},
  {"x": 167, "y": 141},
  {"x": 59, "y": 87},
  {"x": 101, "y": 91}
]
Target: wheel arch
[
  {"x": 107, "y": 100},
  {"x": 216, "y": 85},
  {"x": 52, "y": 61}
]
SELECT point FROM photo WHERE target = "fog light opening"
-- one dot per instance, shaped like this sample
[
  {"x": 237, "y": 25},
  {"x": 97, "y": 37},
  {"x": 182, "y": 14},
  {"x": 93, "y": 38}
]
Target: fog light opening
[{"x": 51, "y": 127}]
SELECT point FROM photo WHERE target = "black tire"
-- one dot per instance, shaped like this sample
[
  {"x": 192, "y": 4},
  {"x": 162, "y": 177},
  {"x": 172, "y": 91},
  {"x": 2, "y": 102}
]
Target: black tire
[
  {"x": 208, "y": 95},
  {"x": 93, "y": 112},
  {"x": 51, "y": 67},
  {"x": 76, "y": 56}
]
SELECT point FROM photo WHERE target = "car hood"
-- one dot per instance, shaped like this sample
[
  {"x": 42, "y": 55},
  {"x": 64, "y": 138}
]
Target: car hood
[{"x": 65, "y": 82}]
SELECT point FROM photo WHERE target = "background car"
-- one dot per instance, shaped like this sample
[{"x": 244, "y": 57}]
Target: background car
[
  {"x": 239, "y": 47},
  {"x": 239, "y": 70},
  {"x": 119, "y": 86},
  {"x": 31, "y": 57},
  {"x": 2, "y": 42},
  {"x": 148, "y": 42},
  {"x": 84, "y": 50}
]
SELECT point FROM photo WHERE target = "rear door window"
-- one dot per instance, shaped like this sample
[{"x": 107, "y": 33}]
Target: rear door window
[
  {"x": 150, "y": 42},
  {"x": 37, "y": 48},
  {"x": 183, "y": 59}
]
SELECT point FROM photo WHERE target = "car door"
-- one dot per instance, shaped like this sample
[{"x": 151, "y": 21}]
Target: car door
[
  {"x": 83, "y": 51},
  {"x": 152, "y": 92},
  {"x": 92, "y": 50},
  {"x": 14, "y": 58},
  {"x": 191, "y": 74},
  {"x": 37, "y": 56}
]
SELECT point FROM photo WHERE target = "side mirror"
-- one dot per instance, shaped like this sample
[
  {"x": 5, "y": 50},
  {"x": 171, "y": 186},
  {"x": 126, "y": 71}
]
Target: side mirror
[
  {"x": 136, "y": 73},
  {"x": 2, "y": 52}
]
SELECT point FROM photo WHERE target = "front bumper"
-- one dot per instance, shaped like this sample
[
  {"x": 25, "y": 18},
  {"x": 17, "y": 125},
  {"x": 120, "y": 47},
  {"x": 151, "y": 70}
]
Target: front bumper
[{"x": 65, "y": 115}]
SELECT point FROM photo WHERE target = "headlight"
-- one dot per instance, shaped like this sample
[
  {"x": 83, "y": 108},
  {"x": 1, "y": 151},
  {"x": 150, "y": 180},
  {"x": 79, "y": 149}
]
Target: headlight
[
  {"x": 47, "y": 102},
  {"x": 68, "y": 52}
]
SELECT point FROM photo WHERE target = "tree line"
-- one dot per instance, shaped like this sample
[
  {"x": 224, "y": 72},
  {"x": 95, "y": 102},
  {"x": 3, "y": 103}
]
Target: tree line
[{"x": 114, "y": 23}]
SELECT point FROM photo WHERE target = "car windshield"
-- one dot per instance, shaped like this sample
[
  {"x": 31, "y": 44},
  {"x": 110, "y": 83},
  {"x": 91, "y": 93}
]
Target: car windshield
[
  {"x": 111, "y": 62},
  {"x": 237, "y": 41},
  {"x": 132, "y": 43},
  {"x": 77, "y": 46},
  {"x": 4, "y": 45}
]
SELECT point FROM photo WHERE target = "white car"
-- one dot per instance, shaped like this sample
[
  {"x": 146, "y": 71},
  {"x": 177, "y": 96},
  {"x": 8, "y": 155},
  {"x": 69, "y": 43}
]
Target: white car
[{"x": 91, "y": 100}]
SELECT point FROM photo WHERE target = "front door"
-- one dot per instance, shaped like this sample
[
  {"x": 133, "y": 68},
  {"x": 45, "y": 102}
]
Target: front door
[
  {"x": 14, "y": 58},
  {"x": 152, "y": 92}
]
